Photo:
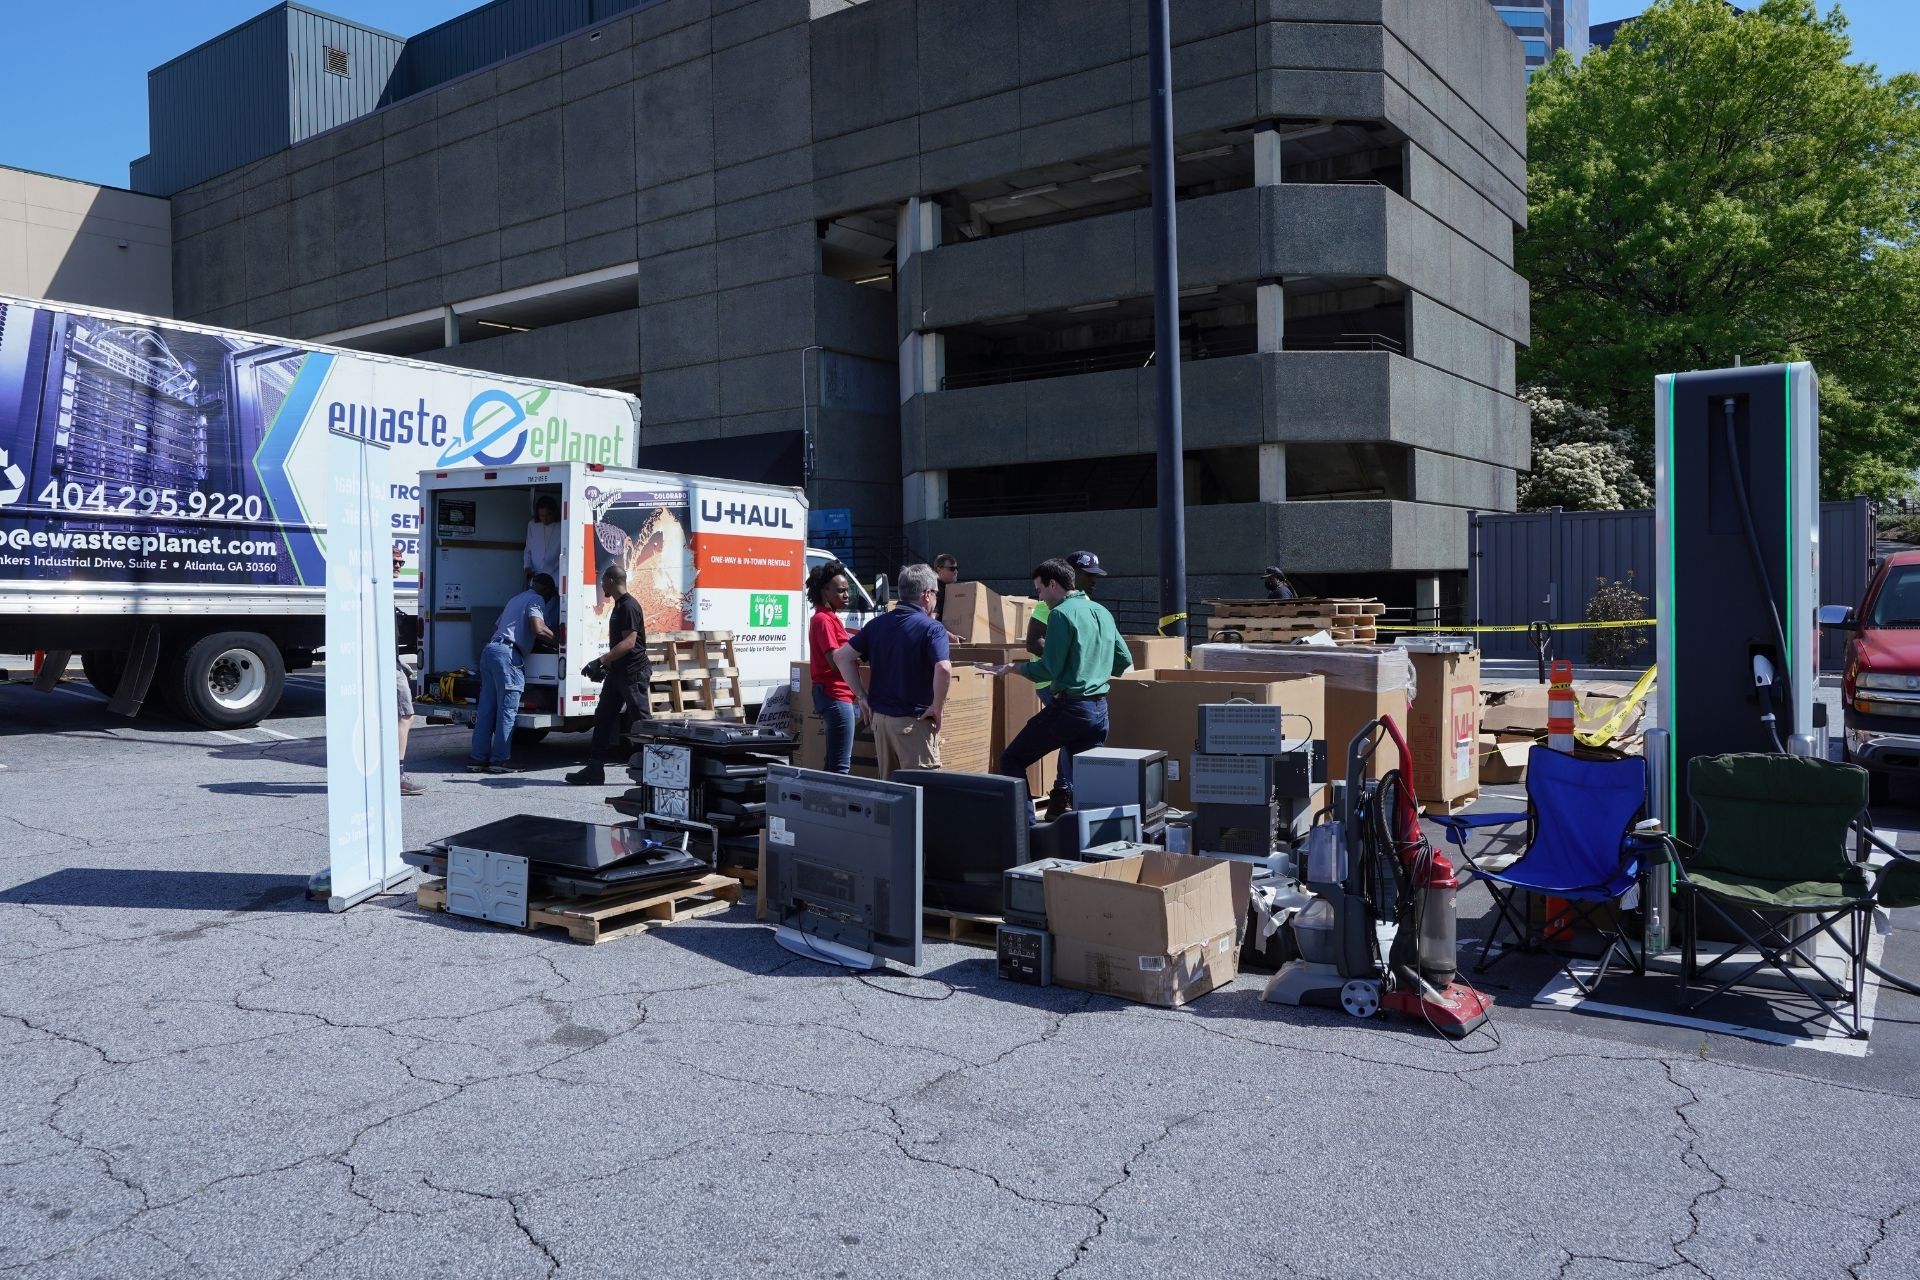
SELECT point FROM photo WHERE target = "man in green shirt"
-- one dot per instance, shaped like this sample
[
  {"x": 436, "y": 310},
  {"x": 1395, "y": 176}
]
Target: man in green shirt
[
  {"x": 1082, "y": 655},
  {"x": 1086, "y": 576}
]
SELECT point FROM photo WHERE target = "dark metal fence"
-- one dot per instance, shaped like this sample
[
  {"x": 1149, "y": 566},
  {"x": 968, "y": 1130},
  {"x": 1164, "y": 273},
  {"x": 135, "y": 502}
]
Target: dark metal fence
[{"x": 1545, "y": 566}]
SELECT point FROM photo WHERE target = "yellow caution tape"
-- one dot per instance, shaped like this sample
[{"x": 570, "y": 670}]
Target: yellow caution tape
[
  {"x": 1170, "y": 619},
  {"x": 1516, "y": 628},
  {"x": 1613, "y": 717}
]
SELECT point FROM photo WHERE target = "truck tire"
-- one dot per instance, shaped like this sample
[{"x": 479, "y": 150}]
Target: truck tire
[
  {"x": 228, "y": 680},
  {"x": 104, "y": 668},
  {"x": 1879, "y": 787}
]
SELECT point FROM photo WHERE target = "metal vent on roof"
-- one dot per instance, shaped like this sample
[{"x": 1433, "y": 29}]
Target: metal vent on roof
[{"x": 336, "y": 61}]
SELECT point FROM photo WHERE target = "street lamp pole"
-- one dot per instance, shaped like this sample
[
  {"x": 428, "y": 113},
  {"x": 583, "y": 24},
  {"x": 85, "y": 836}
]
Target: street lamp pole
[{"x": 1166, "y": 335}]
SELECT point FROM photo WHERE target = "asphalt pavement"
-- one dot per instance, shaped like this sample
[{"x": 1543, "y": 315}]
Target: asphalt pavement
[{"x": 202, "y": 1074}]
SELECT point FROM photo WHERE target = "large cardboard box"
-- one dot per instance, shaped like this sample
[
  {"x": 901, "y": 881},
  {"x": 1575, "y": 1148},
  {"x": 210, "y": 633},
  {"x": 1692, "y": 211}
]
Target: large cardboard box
[
  {"x": 966, "y": 732},
  {"x": 1163, "y": 712},
  {"x": 1157, "y": 653},
  {"x": 977, "y": 614},
  {"x": 1503, "y": 758},
  {"x": 1014, "y": 703},
  {"x": 1443, "y": 729},
  {"x": 1158, "y": 928},
  {"x": 1362, "y": 684}
]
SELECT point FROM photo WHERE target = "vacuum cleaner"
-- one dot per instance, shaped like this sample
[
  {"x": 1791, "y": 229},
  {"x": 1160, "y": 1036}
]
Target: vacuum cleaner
[{"x": 1380, "y": 933}]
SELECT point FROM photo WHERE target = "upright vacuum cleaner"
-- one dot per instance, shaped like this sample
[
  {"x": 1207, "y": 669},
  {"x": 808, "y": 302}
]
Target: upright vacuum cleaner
[{"x": 1380, "y": 934}]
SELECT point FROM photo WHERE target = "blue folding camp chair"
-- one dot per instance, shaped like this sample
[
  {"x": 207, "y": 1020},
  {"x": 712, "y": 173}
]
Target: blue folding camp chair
[{"x": 1580, "y": 847}]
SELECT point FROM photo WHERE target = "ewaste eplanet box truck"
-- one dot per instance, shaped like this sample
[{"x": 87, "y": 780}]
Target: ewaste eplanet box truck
[
  {"x": 162, "y": 499},
  {"x": 700, "y": 554}
]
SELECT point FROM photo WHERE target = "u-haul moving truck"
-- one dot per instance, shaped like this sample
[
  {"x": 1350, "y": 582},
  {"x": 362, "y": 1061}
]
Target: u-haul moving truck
[{"x": 700, "y": 554}]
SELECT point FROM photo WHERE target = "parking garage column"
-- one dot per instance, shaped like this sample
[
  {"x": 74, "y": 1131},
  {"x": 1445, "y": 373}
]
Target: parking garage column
[
  {"x": 1269, "y": 296},
  {"x": 923, "y": 358}
]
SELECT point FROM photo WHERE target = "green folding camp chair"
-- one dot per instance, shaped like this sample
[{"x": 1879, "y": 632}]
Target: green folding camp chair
[{"x": 1783, "y": 860}]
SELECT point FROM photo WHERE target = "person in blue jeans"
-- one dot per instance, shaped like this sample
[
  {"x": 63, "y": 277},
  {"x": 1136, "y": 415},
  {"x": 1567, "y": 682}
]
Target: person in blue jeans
[
  {"x": 833, "y": 699},
  {"x": 503, "y": 678},
  {"x": 1082, "y": 655}
]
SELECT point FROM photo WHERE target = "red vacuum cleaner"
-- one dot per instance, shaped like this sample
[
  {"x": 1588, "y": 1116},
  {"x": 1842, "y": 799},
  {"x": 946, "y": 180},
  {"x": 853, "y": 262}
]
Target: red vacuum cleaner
[{"x": 1372, "y": 867}]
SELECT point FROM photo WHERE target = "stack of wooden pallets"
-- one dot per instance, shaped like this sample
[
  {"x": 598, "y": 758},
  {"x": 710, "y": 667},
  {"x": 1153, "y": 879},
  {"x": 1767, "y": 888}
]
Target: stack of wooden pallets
[
  {"x": 1348, "y": 621},
  {"x": 694, "y": 676}
]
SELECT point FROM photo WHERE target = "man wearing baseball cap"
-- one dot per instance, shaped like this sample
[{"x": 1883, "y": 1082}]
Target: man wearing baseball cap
[{"x": 1086, "y": 573}]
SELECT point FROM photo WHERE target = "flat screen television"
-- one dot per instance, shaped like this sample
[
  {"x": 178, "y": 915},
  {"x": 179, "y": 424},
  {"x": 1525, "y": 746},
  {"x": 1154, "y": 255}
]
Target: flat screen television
[
  {"x": 843, "y": 867},
  {"x": 975, "y": 827}
]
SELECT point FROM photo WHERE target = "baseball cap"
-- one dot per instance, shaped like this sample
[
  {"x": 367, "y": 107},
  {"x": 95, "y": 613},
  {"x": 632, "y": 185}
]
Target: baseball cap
[{"x": 1087, "y": 562}]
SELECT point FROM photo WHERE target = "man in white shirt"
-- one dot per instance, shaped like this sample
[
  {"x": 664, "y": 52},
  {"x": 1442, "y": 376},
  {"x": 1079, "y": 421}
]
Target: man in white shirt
[{"x": 543, "y": 539}]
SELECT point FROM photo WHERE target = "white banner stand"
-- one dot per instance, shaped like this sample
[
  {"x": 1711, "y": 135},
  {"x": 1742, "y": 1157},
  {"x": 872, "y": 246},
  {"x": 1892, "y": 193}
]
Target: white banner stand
[{"x": 363, "y": 720}]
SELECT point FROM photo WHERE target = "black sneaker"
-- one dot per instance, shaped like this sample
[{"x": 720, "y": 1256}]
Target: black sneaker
[{"x": 594, "y": 775}]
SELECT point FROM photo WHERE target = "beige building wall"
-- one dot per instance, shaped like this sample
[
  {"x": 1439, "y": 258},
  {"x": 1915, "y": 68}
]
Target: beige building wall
[{"x": 76, "y": 242}]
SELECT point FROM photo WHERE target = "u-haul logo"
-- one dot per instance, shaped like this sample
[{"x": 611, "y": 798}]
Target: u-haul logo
[{"x": 746, "y": 515}]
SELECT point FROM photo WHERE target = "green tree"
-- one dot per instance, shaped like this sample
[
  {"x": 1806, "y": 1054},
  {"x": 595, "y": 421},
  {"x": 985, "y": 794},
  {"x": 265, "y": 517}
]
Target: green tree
[{"x": 1715, "y": 187}]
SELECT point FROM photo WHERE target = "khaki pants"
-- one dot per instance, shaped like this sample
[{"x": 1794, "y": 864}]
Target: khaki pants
[{"x": 905, "y": 742}]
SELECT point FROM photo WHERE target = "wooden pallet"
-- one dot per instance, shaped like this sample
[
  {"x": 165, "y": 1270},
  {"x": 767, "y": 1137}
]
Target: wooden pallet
[
  {"x": 694, "y": 676},
  {"x": 1285, "y": 621},
  {"x": 614, "y": 915},
  {"x": 1450, "y": 808},
  {"x": 963, "y": 927},
  {"x": 1316, "y": 607}
]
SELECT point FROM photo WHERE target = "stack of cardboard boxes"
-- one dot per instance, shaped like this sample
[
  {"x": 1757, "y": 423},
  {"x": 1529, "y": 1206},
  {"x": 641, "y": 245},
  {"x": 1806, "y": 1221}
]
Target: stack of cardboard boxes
[{"x": 966, "y": 731}]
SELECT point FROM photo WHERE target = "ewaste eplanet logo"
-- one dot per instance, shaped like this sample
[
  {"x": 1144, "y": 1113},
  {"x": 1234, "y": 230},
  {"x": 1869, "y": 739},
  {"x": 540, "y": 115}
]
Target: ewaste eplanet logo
[
  {"x": 492, "y": 417},
  {"x": 12, "y": 482}
]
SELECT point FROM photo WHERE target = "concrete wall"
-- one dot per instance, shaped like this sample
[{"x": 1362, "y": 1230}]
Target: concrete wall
[
  {"x": 77, "y": 242},
  {"x": 704, "y": 140}
]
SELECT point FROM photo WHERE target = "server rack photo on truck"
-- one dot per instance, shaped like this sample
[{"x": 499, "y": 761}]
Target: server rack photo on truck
[
  {"x": 700, "y": 554},
  {"x": 163, "y": 500}
]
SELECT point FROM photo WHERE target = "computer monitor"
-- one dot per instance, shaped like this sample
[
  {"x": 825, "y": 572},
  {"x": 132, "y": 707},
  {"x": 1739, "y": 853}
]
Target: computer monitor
[
  {"x": 843, "y": 867},
  {"x": 1107, "y": 776},
  {"x": 975, "y": 827},
  {"x": 1105, "y": 826}
]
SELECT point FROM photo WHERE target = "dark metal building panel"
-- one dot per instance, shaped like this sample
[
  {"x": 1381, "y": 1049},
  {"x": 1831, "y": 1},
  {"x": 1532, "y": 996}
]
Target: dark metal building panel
[
  {"x": 1544, "y": 566},
  {"x": 1847, "y": 536},
  {"x": 490, "y": 34},
  {"x": 218, "y": 106},
  {"x": 336, "y": 71}
]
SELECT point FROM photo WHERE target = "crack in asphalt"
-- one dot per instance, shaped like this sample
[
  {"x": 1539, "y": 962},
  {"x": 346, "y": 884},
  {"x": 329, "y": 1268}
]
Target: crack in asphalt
[{"x": 1127, "y": 1169}]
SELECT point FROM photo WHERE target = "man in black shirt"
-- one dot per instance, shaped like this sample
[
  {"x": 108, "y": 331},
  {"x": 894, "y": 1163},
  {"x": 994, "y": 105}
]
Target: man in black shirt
[{"x": 627, "y": 674}]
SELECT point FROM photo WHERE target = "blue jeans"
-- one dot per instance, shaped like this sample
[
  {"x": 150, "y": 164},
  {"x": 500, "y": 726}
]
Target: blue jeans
[
  {"x": 501, "y": 683},
  {"x": 1066, "y": 725},
  {"x": 1063, "y": 779},
  {"x": 839, "y": 717}
]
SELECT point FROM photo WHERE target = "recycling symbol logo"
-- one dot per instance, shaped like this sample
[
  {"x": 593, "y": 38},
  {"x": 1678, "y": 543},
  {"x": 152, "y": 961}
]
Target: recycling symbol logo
[{"x": 12, "y": 482}]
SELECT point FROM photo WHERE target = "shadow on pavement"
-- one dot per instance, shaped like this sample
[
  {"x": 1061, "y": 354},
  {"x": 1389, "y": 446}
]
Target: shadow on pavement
[{"x": 233, "y": 891}]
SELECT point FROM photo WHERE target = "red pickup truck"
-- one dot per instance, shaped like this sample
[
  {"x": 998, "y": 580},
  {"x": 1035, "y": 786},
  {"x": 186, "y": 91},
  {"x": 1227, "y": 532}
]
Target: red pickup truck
[{"x": 1881, "y": 685}]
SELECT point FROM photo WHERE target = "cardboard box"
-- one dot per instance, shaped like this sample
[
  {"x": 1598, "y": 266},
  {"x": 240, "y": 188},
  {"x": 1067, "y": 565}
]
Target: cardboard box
[
  {"x": 1503, "y": 758},
  {"x": 1157, "y": 653},
  {"x": 966, "y": 732},
  {"x": 1158, "y": 928},
  {"x": 977, "y": 614},
  {"x": 1162, "y": 711},
  {"x": 1362, "y": 684},
  {"x": 1443, "y": 726}
]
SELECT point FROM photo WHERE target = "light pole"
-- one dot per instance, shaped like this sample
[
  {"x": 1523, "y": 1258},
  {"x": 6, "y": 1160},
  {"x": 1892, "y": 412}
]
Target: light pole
[
  {"x": 1166, "y": 335},
  {"x": 806, "y": 428}
]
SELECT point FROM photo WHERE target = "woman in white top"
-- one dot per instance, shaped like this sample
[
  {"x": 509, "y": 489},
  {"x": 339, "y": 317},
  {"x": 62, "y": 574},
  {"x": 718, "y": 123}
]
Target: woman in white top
[{"x": 543, "y": 538}]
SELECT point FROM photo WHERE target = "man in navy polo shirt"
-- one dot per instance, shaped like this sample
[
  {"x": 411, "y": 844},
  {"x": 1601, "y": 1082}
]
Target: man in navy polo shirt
[{"x": 904, "y": 694}]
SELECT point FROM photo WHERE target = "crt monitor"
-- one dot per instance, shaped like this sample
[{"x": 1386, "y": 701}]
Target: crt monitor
[
  {"x": 1108, "y": 776},
  {"x": 1105, "y": 826},
  {"x": 976, "y": 826},
  {"x": 843, "y": 867}
]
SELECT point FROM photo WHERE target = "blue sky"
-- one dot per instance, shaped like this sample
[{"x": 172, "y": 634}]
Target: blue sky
[{"x": 74, "y": 98}]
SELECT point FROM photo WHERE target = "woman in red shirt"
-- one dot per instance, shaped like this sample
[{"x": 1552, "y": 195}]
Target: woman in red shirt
[{"x": 832, "y": 698}]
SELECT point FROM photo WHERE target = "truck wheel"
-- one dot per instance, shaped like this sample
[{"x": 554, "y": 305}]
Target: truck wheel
[
  {"x": 529, "y": 737},
  {"x": 228, "y": 680},
  {"x": 1879, "y": 786},
  {"x": 104, "y": 668}
]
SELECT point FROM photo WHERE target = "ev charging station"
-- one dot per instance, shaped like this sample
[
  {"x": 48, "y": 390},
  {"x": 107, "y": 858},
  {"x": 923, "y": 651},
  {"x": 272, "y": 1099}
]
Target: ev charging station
[{"x": 1737, "y": 570}]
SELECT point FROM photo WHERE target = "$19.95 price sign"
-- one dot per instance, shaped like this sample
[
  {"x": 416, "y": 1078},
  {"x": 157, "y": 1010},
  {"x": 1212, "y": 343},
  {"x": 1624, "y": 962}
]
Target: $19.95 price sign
[{"x": 767, "y": 609}]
